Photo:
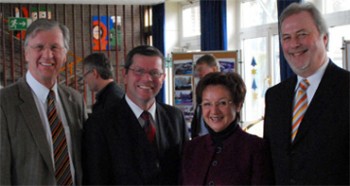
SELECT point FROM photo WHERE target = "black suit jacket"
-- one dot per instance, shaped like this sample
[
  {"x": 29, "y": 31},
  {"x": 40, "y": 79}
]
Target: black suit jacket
[
  {"x": 320, "y": 152},
  {"x": 107, "y": 97},
  {"x": 117, "y": 152}
]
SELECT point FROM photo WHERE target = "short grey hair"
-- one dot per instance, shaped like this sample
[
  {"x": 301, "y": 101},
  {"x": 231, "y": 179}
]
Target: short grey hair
[
  {"x": 316, "y": 15},
  {"x": 46, "y": 24}
]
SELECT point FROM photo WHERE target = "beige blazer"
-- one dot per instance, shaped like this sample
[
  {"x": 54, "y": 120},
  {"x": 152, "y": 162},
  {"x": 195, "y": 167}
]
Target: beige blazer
[{"x": 24, "y": 151}]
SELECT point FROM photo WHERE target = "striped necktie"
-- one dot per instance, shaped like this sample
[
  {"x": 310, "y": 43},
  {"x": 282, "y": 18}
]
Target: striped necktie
[
  {"x": 300, "y": 106},
  {"x": 62, "y": 164},
  {"x": 148, "y": 127}
]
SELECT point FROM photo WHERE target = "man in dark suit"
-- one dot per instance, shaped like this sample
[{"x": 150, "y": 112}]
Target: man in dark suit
[
  {"x": 99, "y": 78},
  {"x": 117, "y": 149},
  {"x": 310, "y": 148},
  {"x": 29, "y": 136}
]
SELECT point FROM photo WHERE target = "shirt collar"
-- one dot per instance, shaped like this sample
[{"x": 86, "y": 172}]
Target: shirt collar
[
  {"x": 137, "y": 110},
  {"x": 315, "y": 78},
  {"x": 39, "y": 90}
]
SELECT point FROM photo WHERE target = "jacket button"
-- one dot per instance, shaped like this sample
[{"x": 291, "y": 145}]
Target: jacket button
[
  {"x": 211, "y": 183},
  {"x": 214, "y": 163},
  {"x": 218, "y": 150},
  {"x": 293, "y": 181}
]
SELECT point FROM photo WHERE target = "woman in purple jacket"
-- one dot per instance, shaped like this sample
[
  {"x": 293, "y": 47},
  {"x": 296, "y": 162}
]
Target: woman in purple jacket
[{"x": 227, "y": 155}]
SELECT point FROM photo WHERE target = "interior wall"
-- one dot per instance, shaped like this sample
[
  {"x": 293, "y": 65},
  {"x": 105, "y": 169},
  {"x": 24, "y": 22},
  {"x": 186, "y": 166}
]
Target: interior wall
[{"x": 78, "y": 19}]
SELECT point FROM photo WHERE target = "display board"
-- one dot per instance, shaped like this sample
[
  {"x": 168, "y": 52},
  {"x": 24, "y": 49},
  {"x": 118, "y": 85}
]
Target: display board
[{"x": 185, "y": 80}]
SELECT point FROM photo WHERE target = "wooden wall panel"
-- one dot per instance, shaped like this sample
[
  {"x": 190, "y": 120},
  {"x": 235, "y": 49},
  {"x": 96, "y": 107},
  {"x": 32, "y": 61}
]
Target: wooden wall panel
[{"x": 78, "y": 18}]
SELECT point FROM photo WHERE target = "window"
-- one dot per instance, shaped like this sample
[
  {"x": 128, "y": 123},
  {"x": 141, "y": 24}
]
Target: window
[
  {"x": 258, "y": 12},
  {"x": 191, "y": 26},
  {"x": 327, "y": 6},
  {"x": 260, "y": 57},
  {"x": 336, "y": 36},
  {"x": 191, "y": 20}
]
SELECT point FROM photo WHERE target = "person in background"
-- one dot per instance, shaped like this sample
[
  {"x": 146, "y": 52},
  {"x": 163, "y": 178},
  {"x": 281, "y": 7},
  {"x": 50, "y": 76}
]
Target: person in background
[
  {"x": 139, "y": 141},
  {"x": 204, "y": 65},
  {"x": 99, "y": 78},
  {"x": 41, "y": 120},
  {"x": 307, "y": 116},
  {"x": 228, "y": 155}
]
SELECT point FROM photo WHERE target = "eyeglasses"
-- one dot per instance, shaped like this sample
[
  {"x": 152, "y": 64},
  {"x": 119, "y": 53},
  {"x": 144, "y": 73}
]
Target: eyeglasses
[
  {"x": 88, "y": 72},
  {"x": 153, "y": 73},
  {"x": 52, "y": 48},
  {"x": 220, "y": 104}
]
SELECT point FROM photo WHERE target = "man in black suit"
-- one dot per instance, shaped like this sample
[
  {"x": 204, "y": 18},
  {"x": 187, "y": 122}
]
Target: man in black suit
[
  {"x": 116, "y": 148},
  {"x": 317, "y": 151},
  {"x": 98, "y": 76}
]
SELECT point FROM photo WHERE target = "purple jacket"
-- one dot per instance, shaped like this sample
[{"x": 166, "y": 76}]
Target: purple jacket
[{"x": 243, "y": 160}]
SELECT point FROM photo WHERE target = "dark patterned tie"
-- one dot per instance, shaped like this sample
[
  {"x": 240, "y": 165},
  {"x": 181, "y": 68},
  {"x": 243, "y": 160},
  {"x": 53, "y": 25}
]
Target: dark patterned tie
[
  {"x": 149, "y": 127},
  {"x": 61, "y": 157}
]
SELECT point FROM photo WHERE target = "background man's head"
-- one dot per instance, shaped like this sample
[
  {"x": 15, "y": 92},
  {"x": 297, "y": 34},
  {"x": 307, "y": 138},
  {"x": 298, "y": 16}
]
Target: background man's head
[
  {"x": 206, "y": 64},
  {"x": 98, "y": 71}
]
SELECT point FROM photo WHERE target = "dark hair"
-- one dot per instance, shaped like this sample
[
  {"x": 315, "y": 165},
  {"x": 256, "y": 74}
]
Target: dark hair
[
  {"x": 207, "y": 59},
  {"x": 231, "y": 80},
  {"x": 101, "y": 63},
  {"x": 44, "y": 25},
  {"x": 145, "y": 50},
  {"x": 316, "y": 15}
]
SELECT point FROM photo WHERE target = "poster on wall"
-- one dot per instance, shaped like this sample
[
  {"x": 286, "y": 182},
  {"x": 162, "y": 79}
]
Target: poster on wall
[
  {"x": 226, "y": 65},
  {"x": 183, "y": 97},
  {"x": 187, "y": 110},
  {"x": 106, "y": 35},
  {"x": 183, "y": 82},
  {"x": 183, "y": 67}
]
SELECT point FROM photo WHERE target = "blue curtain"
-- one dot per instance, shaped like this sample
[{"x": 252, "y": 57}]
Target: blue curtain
[
  {"x": 285, "y": 69},
  {"x": 158, "y": 26},
  {"x": 213, "y": 25}
]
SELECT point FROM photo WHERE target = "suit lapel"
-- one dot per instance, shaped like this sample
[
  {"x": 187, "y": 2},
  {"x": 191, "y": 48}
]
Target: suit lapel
[
  {"x": 286, "y": 110},
  {"x": 33, "y": 122},
  {"x": 66, "y": 100}
]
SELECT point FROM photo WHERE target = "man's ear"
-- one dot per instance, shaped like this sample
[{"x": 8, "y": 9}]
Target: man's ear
[{"x": 95, "y": 73}]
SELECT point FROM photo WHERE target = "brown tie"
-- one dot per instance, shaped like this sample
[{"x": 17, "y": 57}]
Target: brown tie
[
  {"x": 148, "y": 127},
  {"x": 62, "y": 164}
]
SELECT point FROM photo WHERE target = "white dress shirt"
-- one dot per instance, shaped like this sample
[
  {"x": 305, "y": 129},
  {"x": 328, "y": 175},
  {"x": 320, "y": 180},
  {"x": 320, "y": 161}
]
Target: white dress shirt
[
  {"x": 138, "y": 111},
  {"x": 40, "y": 93},
  {"x": 314, "y": 81}
]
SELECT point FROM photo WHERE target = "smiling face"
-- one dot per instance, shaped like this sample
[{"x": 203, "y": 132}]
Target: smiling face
[
  {"x": 142, "y": 89},
  {"x": 218, "y": 110},
  {"x": 303, "y": 46},
  {"x": 45, "y": 55}
]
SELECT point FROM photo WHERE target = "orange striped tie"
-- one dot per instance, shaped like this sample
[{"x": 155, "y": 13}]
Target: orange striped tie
[
  {"x": 62, "y": 165},
  {"x": 300, "y": 106}
]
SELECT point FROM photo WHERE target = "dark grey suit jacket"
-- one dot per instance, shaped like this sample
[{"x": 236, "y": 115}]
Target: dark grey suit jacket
[
  {"x": 319, "y": 154},
  {"x": 25, "y": 156},
  {"x": 117, "y": 152}
]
